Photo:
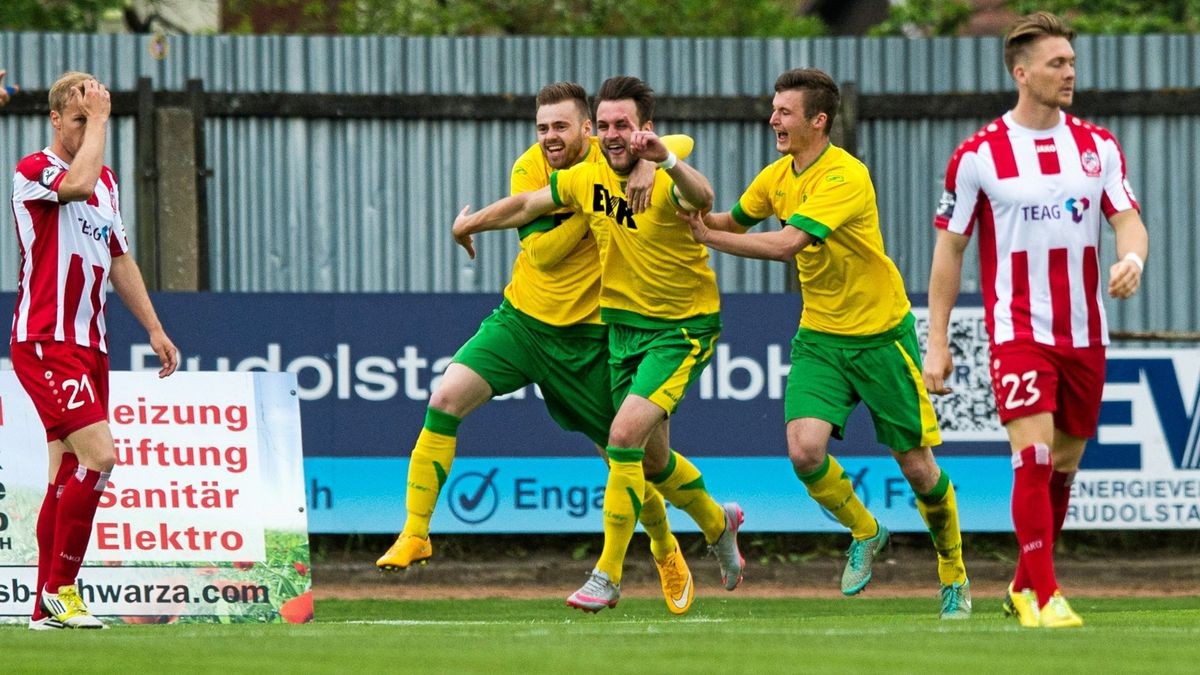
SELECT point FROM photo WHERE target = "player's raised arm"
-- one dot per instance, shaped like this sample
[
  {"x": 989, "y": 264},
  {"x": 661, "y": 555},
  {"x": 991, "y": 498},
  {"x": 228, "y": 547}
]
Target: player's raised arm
[{"x": 693, "y": 188}]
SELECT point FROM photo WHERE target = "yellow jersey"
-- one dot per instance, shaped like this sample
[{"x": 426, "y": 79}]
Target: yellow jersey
[
  {"x": 849, "y": 284},
  {"x": 654, "y": 273},
  {"x": 569, "y": 293}
]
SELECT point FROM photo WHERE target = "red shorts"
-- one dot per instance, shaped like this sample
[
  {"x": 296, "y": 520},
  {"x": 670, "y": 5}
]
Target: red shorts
[
  {"x": 68, "y": 384},
  {"x": 1030, "y": 378}
]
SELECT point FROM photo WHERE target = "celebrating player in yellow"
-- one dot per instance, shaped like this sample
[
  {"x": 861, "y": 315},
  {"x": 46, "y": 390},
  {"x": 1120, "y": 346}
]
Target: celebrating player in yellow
[
  {"x": 659, "y": 297},
  {"x": 856, "y": 340}
]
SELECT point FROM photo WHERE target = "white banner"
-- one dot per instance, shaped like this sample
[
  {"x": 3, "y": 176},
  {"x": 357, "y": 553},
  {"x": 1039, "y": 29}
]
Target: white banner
[{"x": 209, "y": 484}]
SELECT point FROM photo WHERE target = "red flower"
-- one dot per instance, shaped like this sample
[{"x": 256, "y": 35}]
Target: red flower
[
  {"x": 243, "y": 565},
  {"x": 301, "y": 568},
  {"x": 299, "y": 609}
]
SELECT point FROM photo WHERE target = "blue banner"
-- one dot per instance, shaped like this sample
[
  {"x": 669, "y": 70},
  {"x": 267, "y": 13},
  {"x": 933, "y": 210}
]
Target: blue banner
[{"x": 365, "y": 365}]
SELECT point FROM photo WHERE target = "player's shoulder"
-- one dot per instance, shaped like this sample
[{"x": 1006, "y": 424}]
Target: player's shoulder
[
  {"x": 988, "y": 132},
  {"x": 1079, "y": 123},
  {"x": 532, "y": 157},
  {"x": 32, "y": 165}
]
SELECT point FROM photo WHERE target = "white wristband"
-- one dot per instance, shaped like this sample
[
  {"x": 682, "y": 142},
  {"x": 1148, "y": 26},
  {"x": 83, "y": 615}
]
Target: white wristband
[
  {"x": 668, "y": 163},
  {"x": 1136, "y": 260}
]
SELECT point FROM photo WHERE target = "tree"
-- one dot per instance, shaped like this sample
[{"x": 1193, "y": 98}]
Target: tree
[
  {"x": 925, "y": 18},
  {"x": 56, "y": 15},
  {"x": 575, "y": 18},
  {"x": 1120, "y": 16},
  {"x": 916, "y": 18}
]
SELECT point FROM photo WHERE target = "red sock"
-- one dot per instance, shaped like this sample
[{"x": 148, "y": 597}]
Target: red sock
[
  {"x": 1033, "y": 519},
  {"x": 1060, "y": 497},
  {"x": 73, "y": 528},
  {"x": 45, "y": 526}
]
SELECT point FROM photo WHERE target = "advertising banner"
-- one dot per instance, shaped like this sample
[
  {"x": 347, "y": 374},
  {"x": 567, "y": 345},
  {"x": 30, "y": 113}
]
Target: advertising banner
[
  {"x": 204, "y": 517},
  {"x": 366, "y": 364}
]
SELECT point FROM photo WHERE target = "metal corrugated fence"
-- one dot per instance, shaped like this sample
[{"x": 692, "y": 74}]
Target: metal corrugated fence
[{"x": 365, "y": 205}]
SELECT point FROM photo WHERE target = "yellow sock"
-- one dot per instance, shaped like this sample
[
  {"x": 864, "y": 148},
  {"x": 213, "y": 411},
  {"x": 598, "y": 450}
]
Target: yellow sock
[
  {"x": 683, "y": 486},
  {"x": 654, "y": 521},
  {"x": 939, "y": 508},
  {"x": 427, "y": 469},
  {"x": 622, "y": 504},
  {"x": 830, "y": 486}
]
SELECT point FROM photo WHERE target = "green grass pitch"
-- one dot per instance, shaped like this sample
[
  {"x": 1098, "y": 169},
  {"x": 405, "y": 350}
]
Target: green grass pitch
[{"x": 720, "y": 635}]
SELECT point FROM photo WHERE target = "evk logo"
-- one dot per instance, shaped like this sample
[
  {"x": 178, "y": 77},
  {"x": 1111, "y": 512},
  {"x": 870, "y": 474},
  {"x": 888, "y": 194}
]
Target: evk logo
[
  {"x": 1076, "y": 207},
  {"x": 473, "y": 496},
  {"x": 1147, "y": 406}
]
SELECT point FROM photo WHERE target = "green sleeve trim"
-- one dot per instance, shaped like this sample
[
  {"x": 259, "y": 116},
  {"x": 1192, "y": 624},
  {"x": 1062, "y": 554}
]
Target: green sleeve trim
[
  {"x": 674, "y": 196},
  {"x": 810, "y": 478},
  {"x": 625, "y": 455},
  {"x": 554, "y": 189},
  {"x": 540, "y": 224},
  {"x": 938, "y": 493},
  {"x": 661, "y": 476},
  {"x": 810, "y": 226},
  {"x": 441, "y": 422},
  {"x": 742, "y": 218}
]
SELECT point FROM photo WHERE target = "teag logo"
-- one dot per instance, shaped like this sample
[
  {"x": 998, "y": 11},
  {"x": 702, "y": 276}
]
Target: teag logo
[
  {"x": 1076, "y": 207},
  {"x": 1150, "y": 392}
]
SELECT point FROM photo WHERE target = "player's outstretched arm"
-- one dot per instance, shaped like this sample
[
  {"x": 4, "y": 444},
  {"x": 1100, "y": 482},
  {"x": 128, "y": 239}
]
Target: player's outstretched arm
[
  {"x": 944, "y": 279},
  {"x": 1133, "y": 245},
  {"x": 127, "y": 281},
  {"x": 782, "y": 244},
  {"x": 507, "y": 213}
]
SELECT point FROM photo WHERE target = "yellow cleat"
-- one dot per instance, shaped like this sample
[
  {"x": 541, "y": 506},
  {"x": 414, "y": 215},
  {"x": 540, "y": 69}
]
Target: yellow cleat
[
  {"x": 407, "y": 550},
  {"x": 1022, "y": 605},
  {"x": 1056, "y": 613},
  {"x": 68, "y": 609},
  {"x": 677, "y": 586}
]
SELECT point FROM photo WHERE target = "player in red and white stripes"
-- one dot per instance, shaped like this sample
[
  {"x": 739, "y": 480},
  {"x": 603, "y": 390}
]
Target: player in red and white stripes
[
  {"x": 72, "y": 243},
  {"x": 1032, "y": 186}
]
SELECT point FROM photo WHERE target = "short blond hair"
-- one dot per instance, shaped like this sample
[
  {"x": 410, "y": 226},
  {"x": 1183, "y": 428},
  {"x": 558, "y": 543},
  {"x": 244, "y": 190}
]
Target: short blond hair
[
  {"x": 60, "y": 91},
  {"x": 1028, "y": 30}
]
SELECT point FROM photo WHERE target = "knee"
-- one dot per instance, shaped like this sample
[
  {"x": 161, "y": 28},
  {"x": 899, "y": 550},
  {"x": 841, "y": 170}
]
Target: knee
[
  {"x": 806, "y": 457},
  {"x": 622, "y": 435},
  {"x": 919, "y": 469}
]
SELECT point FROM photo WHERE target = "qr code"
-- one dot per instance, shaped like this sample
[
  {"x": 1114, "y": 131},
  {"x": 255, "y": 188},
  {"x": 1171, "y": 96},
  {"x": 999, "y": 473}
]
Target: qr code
[{"x": 969, "y": 412}]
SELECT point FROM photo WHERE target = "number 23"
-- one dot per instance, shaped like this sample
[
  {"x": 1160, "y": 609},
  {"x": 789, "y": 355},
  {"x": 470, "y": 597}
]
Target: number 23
[{"x": 1022, "y": 389}]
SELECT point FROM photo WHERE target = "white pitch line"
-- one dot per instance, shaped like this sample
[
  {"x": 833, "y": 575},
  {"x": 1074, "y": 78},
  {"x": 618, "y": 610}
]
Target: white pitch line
[{"x": 440, "y": 622}]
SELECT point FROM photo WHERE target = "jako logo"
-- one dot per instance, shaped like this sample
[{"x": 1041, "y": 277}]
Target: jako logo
[{"x": 1077, "y": 207}]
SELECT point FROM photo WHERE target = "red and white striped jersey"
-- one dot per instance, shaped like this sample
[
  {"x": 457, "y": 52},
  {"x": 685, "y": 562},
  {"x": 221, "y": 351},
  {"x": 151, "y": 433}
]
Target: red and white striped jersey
[
  {"x": 1036, "y": 197},
  {"x": 66, "y": 253}
]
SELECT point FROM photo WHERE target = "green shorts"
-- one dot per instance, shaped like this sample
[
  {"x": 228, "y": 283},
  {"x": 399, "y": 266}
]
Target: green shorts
[
  {"x": 830, "y": 374},
  {"x": 569, "y": 365},
  {"x": 659, "y": 364}
]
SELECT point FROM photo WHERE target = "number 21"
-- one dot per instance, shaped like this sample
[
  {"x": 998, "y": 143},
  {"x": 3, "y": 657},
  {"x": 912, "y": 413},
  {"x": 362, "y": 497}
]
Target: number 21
[{"x": 75, "y": 387}]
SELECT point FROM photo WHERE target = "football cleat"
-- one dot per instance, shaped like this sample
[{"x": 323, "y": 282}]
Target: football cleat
[
  {"x": 726, "y": 548},
  {"x": 677, "y": 586},
  {"x": 956, "y": 601},
  {"x": 68, "y": 609},
  {"x": 596, "y": 593},
  {"x": 406, "y": 550},
  {"x": 861, "y": 555}
]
